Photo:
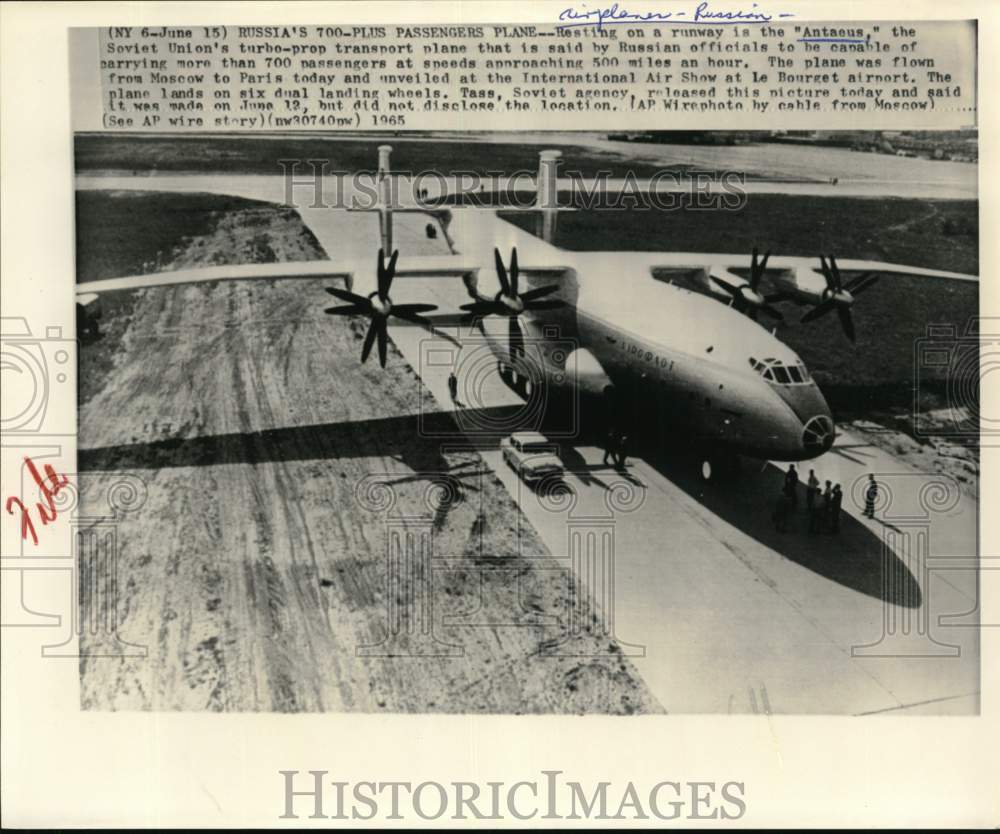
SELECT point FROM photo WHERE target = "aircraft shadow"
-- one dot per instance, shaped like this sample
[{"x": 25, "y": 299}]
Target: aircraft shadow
[
  {"x": 416, "y": 440},
  {"x": 853, "y": 557},
  {"x": 425, "y": 444}
]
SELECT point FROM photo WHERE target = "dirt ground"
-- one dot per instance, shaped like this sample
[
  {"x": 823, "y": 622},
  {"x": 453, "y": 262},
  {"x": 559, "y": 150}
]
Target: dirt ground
[
  {"x": 299, "y": 525},
  {"x": 947, "y": 454}
]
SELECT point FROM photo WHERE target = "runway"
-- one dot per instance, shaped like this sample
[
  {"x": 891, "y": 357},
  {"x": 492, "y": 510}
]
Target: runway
[
  {"x": 721, "y": 614},
  {"x": 783, "y": 163},
  {"x": 272, "y": 188},
  {"x": 715, "y": 611}
]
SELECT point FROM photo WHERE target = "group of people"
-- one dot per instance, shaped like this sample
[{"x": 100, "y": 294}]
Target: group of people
[
  {"x": 822, "y": 506},
  {"x": 616, "y": 448}
]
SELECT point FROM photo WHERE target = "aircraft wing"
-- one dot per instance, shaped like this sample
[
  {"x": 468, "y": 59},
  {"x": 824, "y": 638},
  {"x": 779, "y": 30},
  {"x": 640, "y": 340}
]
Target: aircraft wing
[
  {"x": 849, "y": 265},
  {"x": 729, "y": 261},
  {"x": 444, "y": 266}
]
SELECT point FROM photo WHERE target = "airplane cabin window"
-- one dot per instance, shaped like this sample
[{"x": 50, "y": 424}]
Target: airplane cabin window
[{"x": 771, "y": 369}]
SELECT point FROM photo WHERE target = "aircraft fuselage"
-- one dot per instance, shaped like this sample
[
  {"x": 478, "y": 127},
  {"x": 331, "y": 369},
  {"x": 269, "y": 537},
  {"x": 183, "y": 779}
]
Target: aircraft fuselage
[{"x": 679, "y": 363}]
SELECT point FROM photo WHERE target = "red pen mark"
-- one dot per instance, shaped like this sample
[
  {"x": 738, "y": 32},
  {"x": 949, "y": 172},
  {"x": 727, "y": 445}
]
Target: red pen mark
[{"x": 47, "y": 511}]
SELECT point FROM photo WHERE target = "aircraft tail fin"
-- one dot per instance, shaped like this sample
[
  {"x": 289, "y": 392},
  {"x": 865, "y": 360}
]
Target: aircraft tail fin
[
  {"x": 385, "y": 197},
  {"x": 547, "y": 195}
]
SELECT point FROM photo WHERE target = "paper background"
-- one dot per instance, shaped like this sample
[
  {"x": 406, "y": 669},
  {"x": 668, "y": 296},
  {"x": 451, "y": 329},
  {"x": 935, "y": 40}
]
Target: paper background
[{"x": 63, "y": 767}]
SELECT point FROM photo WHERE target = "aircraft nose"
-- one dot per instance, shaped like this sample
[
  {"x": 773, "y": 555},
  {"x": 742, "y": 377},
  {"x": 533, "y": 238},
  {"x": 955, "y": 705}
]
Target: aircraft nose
[
  {"x": 818, "y": 434},
  {"x": 813, "y": 415}
]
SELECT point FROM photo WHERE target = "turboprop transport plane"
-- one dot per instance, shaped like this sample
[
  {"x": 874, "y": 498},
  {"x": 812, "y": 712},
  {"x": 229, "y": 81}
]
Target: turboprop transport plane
[{"x": 609, "y": 325}]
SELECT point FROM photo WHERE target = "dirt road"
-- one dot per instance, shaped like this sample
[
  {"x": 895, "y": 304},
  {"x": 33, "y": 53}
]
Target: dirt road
[{"x": 298, "y": 528}]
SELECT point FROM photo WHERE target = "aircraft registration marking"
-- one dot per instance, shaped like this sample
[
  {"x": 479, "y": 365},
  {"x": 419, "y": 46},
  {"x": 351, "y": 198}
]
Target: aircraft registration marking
[{"x": 649, "y": 356}]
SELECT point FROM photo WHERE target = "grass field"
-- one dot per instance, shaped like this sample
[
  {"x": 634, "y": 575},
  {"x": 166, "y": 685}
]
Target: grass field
[
  {"x": 879, "y": 372},
  {"x": 938, "y": 234}
]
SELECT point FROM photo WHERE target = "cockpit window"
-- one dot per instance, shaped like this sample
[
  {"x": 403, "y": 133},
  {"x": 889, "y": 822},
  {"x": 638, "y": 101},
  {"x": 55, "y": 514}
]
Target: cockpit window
[{"x": 779, "y": 373}]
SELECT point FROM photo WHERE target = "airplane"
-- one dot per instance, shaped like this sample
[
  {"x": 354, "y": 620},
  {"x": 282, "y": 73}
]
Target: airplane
[{"x": 639, "y": 343}]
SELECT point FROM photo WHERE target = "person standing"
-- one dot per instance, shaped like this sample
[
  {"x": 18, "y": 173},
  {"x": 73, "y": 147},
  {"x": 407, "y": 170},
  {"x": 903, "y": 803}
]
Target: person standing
[
  {"x": 621, "y": 452},
  {"x": 610, "y": 445},
  {"x": 453, "y": 386},
  {"x": 836, "y": 498},
  {"x": 827, "y": 505},
  {"x": 812, "y": 490},
  {"x": 871, "y": 495},
  {"x": 792, "y": 486}
]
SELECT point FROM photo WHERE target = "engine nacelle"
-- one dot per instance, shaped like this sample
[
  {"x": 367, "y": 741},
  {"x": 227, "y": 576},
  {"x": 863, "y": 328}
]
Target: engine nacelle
[{"x": 587, "y": 372}]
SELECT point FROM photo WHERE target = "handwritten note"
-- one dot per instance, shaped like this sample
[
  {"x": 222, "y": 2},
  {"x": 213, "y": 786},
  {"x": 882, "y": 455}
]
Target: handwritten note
[
  {"x": 702, "y": 13},
  {"x": 49, "y": 487}
]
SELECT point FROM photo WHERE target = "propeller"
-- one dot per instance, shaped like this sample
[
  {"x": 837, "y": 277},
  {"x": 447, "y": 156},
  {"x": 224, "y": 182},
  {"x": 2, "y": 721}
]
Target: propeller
[
  {"x": 746, "y": 297},
  {"x": 509, "y": 301},
  {"x": 838, "y": 295},
  {"x": 378, "y": 307}
]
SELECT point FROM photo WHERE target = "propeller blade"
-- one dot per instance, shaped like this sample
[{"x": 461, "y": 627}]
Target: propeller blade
[
  {"x": 429, "y": 325},
  {"x": 551, "y": 304},
  {"x": 774, "y": 314},
  {"x": 344, "y": 295},
  {"x": 343, "y": 311},
  {"x": 818, "y": 311},
  {"x": 513, "y": 271},
  {"x": 380, "y": 271},
  {"x": 867, "y": 278},
  {"x": 753, "y": 263},
  {"x": 369, "y": 341},
  {"x": 827, "y": 274},
  {"x": 761, "y": 267},
  {"x": 501, "y": 271},
  {"x": 479, "y": 307},
  {"x": 539, "y": 292},
  {"x": 515, "y": 338},
  {"x": 407, "y": 310},
  {"x": 861, "y": 286},
  {"x": 857, "y": 280},
  {"x": 836, "y": 271},
  {"x": 386, "y": 273},
  {"x": 774, "y": 298},
  {"x": 732, "y": 289},
  {"x": 381, "y": 325},
  {"x": 846, "y": 321}
]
